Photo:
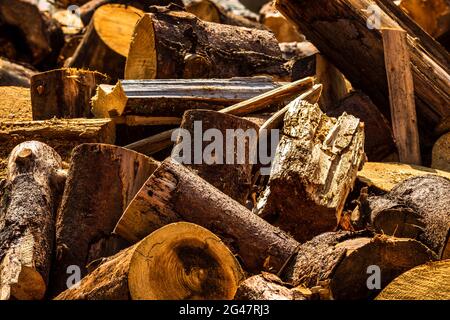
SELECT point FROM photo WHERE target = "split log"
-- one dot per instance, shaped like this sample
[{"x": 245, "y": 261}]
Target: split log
[
  {"x": 441, "y": 153},
  {"x": 172, "y": 97},
  {"x": 27, "y": 214},
  {"x": 417, "y": 208},
  {"x": 284, "y": 30},
  {"x": 176, "y": 44},
  {"x": 379, "y": 142},
  {"x": 432, "y": 15},
  {"x": 176, "y": 262},
  {"x": 64, "y": 93},
  {"x": 62, "y": 135},
  {"x": 430, "y": 281},
  {"x": 366, "y": 69},
  {"x": 317, "y": 159},
  {"x": 43, "y": 35},
  {"x": 266, "y": 286},
  {"x": 384, "y": 177},
  {"x": 345, "y": 261},
  {"x": 15, "y": 104},
  {"x": 174, "y": 193},
  {"x": 84, "y": 224},
  {"x": 227, "y": 162},
  {"x": 213, "y": 11},
  {"x": 162, "y": 140},
  {"x": 401, "y": 95},
  {"x": 12, "y": 74},
  {"x": 107, "y": 40}
]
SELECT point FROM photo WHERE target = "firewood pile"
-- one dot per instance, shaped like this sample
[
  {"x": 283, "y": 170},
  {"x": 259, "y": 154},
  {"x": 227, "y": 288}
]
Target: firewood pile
[{"x": 213, "y": 149}]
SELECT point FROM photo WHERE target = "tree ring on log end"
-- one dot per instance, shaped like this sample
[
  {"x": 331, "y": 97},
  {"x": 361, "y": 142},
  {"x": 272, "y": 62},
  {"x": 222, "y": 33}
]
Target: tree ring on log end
[{"x": 183, "y": 261}]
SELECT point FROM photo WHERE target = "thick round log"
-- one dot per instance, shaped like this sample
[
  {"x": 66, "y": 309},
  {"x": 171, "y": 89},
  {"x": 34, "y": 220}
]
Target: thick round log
[
  {"x": 227, "y": 161},
  {"x": 64, "y": 93},
  {"x": 176, "y": 44},
  {"x": 266, "y": 286},
  {"x": 174, "y": 193},
  {"x": 41, "y": 34},
  {"x": 27, "y": 216},
  {"x": 111, "y": 176},
  {"x": 428, "y": 197},
  {"x": 214, "y": 11},
  {"x": 347, "y": 260},
  {"x": 441, "y": 153},
  {"x": 430, "y": 281},
  {"x": 181, "y": 261},
  {"x": 105, "y": 45},
  {"x": 317, "y": 160},
  {"x": 12, "y": 74}
]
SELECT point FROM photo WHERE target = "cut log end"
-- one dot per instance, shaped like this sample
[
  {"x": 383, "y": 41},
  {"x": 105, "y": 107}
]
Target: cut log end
[{"x": 196, "y": 263}]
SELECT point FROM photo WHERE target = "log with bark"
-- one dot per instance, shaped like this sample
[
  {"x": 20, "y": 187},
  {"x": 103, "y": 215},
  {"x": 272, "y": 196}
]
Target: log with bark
[
  {"x": 430, "y": 281},
  {"x": 417, "y": 208},
  {"x": 339, "y": 30},
  {"x": 220, "y": 148},
  {"x": 171, "y": 97},
  {"x": 174, "y": 193},
  {"x": 162, "y": 140},
  {"x": 84, "y": 224},
  {"x": 284, "y": 30},
  {"x": 177, "y": 262},
  {"x": 27, "y": 215},
  {"x": 64, "y": 93},
  {"x": 12, "y": 74},
  {"x": 383, "y": 177},
  {"x": 379, "y": 142},
  {"x": 61, "y": 134},
  {"x": 106, "y": 42},
  {"x": 317, "y": 159},
  {"x": 15, "y": 104},
  {"x": 344, "y": 262},
  {"x": 38, "y": 36},
  {"x": 176, "y": 44}
]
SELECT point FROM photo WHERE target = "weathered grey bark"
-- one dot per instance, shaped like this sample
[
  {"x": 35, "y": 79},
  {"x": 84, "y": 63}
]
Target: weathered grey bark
[{"x": 27, "y": 216}]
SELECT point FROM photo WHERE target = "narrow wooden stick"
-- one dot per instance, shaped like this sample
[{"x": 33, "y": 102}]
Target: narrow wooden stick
[{"x": 401, "y": 95}]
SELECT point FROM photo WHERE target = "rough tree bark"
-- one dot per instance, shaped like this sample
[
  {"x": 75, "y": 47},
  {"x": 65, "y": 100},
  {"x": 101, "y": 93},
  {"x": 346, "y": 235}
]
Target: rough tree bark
[
  {"x": 176, "y": 44},
  {"x": 178, "y": 261},
  {"x": 111, "y": 176},
  {"x": 417, "y": 208},
  {"x": 27, "y": 212}
]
